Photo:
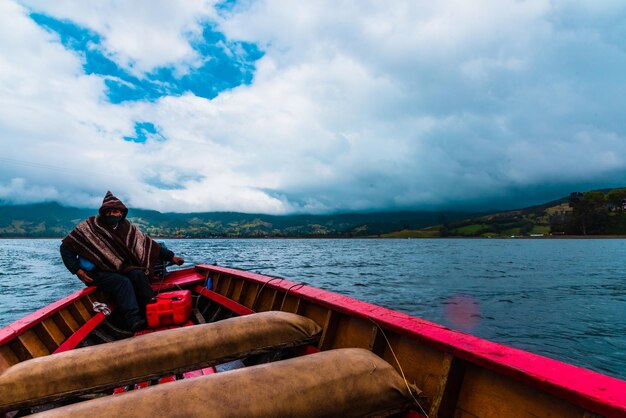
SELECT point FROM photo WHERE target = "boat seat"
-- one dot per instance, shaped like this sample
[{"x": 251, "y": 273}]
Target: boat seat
[
  {"x": 346, "y": 382},
  {"x": 67, "y": 374}
]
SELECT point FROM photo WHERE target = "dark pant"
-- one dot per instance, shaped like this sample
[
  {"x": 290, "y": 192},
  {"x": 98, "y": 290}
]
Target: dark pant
[{"x": 131, "y": 292}]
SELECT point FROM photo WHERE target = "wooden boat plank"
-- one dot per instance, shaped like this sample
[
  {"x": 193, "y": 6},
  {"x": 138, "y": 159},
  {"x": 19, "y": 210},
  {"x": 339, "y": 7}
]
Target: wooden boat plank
[
  {"x": 53, "y": 331},
  {"x": 85, "y": 313},
  {"x": 268, "y": 303},
  {"x": 450, "y": 384},
  {"x": 80, "y": 317},
  {"x": 19, "y": 350},
  {"x": 22, "y": 325},
  {"x": 7, "y": 358},
  {"x": 68, "y": 319},
  {"x": 44, "y": 335},
  {"x": 421, "y": 364},
  {"x": 352, "y": 332},
  {"x": 290, "y": 304},
  {"x": 277, "y": 300},
  {"x": 231, "y": 285},
  {"x": 329, "y": 329},
  {"x": 266, "y": 295},
  {"x": 220, "y": 282},
  {"x": 61, "y": 324},
  {"x": 377, "y": 342},
  {"x": 252, "y": 290},
  {"x": 598, "y": 393},
  {"x": 217, "y": 278},
  {"x": 33, "y": 344},
  {"x": 317, "y": 313},
  {"x": 81, "y": 333},
  {"x": 237, "y": 290},
  {"x": 494, "y": 395}
]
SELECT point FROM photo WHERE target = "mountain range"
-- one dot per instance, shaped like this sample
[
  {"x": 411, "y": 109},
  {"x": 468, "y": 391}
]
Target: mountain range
[
  {"x": 597, "y": 213},
  {"x": 53, "y": 220}
]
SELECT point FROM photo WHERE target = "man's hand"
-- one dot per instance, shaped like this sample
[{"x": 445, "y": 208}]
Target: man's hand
[
  {"x": 178, "y": 261},
  {"x": 84, "y": 277}
]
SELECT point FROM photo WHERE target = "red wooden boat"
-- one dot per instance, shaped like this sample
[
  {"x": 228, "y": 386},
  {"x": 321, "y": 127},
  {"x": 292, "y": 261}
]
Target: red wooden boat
[{"x": 238, "y": 322}]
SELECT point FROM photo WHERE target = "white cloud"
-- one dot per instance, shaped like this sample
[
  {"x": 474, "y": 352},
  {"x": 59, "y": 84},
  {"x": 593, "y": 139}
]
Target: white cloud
[
  {"x": 355, "y": 105},
  {"x": 139, "y": 35}
]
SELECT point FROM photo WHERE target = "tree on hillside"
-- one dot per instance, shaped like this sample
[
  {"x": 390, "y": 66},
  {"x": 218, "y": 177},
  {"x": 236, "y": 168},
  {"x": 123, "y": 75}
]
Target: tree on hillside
[
  {"x": 616, "y": 199},
  {"x": 590, "y": 212}
]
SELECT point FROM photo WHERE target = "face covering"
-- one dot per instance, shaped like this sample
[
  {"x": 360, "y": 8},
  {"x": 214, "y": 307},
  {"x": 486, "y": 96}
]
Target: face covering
[{"x": 112, "y": 220}]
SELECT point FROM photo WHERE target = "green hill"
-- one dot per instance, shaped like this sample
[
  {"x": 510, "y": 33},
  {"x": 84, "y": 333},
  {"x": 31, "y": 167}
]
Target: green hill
[
  {"x": 599, "y": 212},
  {"x": 54, "y": 220}
]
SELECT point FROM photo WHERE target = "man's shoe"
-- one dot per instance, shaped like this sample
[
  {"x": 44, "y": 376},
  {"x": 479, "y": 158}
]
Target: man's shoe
[{"x": 139, "y": 325}]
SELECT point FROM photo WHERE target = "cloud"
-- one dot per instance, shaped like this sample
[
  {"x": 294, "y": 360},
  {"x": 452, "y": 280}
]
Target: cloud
[
  {"x": 338, "y": 106},
  {"x": 139, "y": 36},
  {"x": 224, "y": 64}
]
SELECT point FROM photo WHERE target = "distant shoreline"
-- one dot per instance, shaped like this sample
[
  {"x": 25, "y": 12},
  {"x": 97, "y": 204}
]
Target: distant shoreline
[{"x": 365, "y": 237}]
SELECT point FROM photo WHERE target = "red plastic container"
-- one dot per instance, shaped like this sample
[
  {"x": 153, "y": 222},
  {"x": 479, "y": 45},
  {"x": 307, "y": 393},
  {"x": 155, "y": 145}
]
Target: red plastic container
[{"x": 170, "y": 308}]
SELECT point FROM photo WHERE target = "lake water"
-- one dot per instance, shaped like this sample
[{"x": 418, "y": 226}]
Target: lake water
[{"x": 564, "y": 299}]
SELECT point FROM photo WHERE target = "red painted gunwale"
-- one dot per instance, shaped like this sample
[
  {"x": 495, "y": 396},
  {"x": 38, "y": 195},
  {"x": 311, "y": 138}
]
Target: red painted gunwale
[
  {"x": 590, "y": 390},
  {"x": 24, "y": 324},
  {"x": 237, "y": 308},
  {"x": 81, "y": 333}
]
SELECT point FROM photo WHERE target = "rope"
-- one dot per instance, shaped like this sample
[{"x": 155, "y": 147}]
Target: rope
[
  {"x": 261, "y": 289},
  {"x": 301, "y": 284},
  {"x": 101, "y": 307},
  {"x": 269, "y": 281},
  {"x": 406, "y": 382}
]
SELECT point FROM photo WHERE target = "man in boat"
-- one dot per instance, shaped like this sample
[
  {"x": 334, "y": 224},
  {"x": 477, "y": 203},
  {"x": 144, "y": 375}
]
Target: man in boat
[{"x": 109, "y": 252}]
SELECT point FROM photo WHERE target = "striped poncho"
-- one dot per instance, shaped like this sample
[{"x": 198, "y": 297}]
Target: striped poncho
[{"x": 117, "y": 248}]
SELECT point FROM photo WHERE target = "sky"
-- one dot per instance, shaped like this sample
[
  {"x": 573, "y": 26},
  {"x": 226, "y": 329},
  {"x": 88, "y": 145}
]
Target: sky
[{"x": 321, "y": 106}]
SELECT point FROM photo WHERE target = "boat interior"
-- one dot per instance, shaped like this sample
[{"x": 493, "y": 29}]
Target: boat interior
[{"x": 237, "y": 343}]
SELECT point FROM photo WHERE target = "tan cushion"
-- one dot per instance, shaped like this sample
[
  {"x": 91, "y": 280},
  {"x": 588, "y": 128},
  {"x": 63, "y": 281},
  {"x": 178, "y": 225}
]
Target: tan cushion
[
  {"x": 147, "y": 356},
  {"x": 337, "y": 383}
]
